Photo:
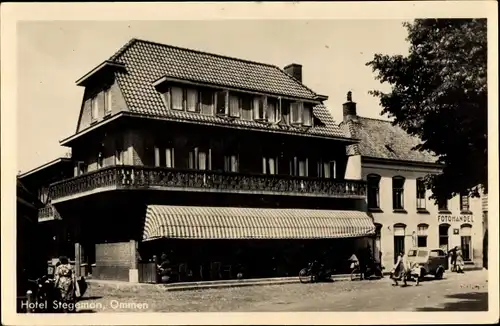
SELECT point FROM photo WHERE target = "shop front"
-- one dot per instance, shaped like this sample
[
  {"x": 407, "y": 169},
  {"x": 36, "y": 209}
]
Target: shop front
[{"x": 207, "y": 243}]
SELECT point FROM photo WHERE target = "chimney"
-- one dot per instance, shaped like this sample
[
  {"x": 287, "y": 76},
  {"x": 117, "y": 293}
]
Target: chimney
[
  {"x": 294, "y": 70},
  {"x": 349, "y": 108}
]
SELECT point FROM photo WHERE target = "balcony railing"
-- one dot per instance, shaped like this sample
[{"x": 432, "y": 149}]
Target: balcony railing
[
  {"x": 48, "y": 213},
  {"x": 141, "y": 177}
]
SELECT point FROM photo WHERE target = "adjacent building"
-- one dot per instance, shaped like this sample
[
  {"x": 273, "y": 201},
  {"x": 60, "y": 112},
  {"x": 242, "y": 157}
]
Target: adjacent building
[
  {"x": 397, "y": 199},
  {"x": 225, "y": 165}
]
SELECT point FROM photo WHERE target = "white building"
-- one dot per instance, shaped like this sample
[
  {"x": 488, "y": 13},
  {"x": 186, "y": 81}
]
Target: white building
[{"x": 404, "y": 215}]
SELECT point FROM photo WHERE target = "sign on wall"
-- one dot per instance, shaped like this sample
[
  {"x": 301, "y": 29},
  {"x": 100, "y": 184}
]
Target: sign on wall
[{"x": 454, "y": 219}]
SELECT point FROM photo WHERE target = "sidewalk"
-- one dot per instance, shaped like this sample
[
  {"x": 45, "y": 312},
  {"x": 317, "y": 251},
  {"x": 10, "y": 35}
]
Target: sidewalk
[{"x": 187, "y": 286}]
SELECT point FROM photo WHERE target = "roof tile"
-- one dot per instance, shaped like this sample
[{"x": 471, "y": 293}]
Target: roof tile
[{"x": 146, "y": 62}]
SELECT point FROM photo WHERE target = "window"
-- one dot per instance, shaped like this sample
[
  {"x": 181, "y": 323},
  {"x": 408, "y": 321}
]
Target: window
[
  {"x": 100, "y": 160},
  {"x": 192, "y": 104},
  {"x": 437, "y": 253},
  {"x": 108, "y": 101},
  {"x": 307, "y": 115},
  {"x": 177, "y": 98},
  {"x": 259, "y": 105},
  {"x": 94, "y": 112},
  {"x": 326, "y": 169},
  {"x": 466, "y": 241},
  {"x": 296, "y": 109},
  {"x": 299, "y": 167},
  {"x": 420, "y": 194},
  {"x": 206, "y": 102},
  {"x": 285, "y": 111},
  {"x": 200, "y": 159},
  {"x": 398, "y": 193},
  {"x": 81, "y": 167},
  {"x": 373, "y": 181},
  {"x": 119, "y": 154},
  {"x": 220, "y": 102},
  {"x": 443, "y": 205},
  {"x": 269, "y": 165},
  {"x": 422, "y": 230},
  {"x": 164, "y": 156},
  {"x": 231, "y": 163},
  {"x": 443, "y": 236},
  {"x": 464, "y": 203},
  {"x": 273, "y": 114},
  {"x": 234, "y": 105},
  {"x": 246, "y": 108}
]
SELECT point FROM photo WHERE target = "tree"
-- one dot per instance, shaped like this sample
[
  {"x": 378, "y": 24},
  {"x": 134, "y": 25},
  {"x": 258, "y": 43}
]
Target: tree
[{"x": 439, "y": 94}]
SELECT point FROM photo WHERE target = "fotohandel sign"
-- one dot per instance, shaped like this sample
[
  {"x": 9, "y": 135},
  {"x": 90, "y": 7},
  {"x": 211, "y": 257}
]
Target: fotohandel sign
[{"x": 455, "y": 219}]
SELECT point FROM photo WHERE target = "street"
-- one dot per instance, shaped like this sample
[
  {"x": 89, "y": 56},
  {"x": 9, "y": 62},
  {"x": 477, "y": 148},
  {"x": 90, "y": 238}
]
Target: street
[{"x": 456, "y": 292}]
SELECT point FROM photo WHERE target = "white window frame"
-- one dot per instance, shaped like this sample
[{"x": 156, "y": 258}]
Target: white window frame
[
  {"x": 197, "y": 100},
  {"x": 293, "y": 118},
  {"x": 257, "y": 100},
  {"x": 172, "y": 98},
  {"x": 308, "y": 108},
  {"x": 108, "y": 101},
  {"x": 237, "y": 99},
  {"x": 94, "y": 108},
  {"x": 226, "y": 104}
]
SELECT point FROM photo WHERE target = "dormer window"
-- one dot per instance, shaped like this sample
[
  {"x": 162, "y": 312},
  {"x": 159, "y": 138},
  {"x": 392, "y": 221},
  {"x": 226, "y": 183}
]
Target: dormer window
[
  {"x": 192, "y": 103},
  {"x": 221, "y": 102},
  {"x": 296, "y": 109},
  {"x": 176, "y": 98},
  {"x": 259, "y": 105},
  {"x": 234, "y": 105},
  {"x": 307, "y": 115},
  {"x": 273, "y": 114}
]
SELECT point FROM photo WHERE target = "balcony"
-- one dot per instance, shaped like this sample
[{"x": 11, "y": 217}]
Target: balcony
[
  {"x": 48, "y": 213},
  {"x": 169, "y": 179}
]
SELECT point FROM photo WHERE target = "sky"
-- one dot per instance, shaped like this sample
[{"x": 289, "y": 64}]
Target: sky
[{"x": 52, "y": 55}]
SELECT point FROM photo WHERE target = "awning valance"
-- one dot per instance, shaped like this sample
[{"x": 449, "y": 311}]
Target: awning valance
[{"x": 193, "y": 222}]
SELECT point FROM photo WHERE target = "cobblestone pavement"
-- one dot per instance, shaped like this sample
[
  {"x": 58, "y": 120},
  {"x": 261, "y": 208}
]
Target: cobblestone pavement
[{"x": 457, "y": 292}]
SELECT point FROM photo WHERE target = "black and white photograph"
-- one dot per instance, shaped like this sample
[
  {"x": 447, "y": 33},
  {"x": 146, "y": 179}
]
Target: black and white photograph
[{"x": 236, "y": 164}]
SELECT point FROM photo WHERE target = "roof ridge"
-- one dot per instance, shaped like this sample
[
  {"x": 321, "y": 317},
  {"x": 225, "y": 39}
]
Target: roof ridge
[
  {"x": 122, "y": 49},
  {"x": 201, "y": 52},
  {"x": 374, "y": 119}
]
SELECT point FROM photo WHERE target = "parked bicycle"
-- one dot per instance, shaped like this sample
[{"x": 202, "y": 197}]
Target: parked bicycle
[{"x": 315, "y": 272}]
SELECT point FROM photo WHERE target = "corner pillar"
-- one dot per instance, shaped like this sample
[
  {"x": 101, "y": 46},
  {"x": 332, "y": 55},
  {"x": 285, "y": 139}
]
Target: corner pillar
[{"x": 133, "y": 273}]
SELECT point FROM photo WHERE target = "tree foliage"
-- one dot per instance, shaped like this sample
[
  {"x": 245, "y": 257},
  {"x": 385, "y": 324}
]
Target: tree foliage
[{"x": 439, "y": 94}]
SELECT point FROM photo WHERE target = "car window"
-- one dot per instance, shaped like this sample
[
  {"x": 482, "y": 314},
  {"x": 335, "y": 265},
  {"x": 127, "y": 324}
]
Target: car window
[
  {"x": 437, "y": 253},
  {"x": 412, "y": 253},
  {"x": 422, "y": 253}
]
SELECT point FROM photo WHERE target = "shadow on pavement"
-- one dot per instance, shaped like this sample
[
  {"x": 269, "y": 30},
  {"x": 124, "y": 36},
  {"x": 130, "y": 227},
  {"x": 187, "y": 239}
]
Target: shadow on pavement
[{"x": 474, "y": 301}]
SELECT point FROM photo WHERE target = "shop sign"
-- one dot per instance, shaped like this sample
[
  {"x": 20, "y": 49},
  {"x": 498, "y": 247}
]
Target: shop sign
[{"x": 451, "y": 218}]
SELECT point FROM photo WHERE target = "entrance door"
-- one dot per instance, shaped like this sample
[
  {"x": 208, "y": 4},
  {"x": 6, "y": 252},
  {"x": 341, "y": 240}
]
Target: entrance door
[{"x": 399, "y": 240}]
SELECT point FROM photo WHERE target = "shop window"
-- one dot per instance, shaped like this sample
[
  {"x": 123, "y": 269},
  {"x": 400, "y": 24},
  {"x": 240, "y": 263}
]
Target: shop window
[
  {"x": 399, "y": 240},
  {"x": 421, "y": 194},
  {"x": 422, "y": 232},
  {"x": 464, "y": 203},
  {"x": 466, "y": 241},
  {"x": 443, "y": 236},
  {"x": 326, "y": 169},
  {"x": 398, "y": 193},
  {"x": 373, "y": 182}
]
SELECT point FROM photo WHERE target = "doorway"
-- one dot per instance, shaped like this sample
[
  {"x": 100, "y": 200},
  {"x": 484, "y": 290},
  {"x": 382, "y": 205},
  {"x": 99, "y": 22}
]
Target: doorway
[{"x": 399, "y": 240}]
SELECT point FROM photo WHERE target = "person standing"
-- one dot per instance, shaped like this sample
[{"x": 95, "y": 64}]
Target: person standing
[
  {"x": 66, "y": 285},
  {"x": 453, "y": 258},
  {"x": 400, "y": 269},
  {"x": 459, "y": 262}
]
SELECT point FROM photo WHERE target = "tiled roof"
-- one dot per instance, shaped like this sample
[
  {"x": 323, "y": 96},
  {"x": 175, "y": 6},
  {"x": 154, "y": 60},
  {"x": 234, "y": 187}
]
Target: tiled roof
[
  {"x": 146, "y": 62},
  {"x": 382, "y": 139}
]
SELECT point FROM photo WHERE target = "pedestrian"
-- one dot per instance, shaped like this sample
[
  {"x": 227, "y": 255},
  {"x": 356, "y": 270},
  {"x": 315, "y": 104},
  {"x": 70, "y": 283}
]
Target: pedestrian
[
  {"x": 453, "y": 256},
  {"x": 400, "y": 269},
  {"x": 66, "y": 285},
  {"x": 460, "y": 262}
]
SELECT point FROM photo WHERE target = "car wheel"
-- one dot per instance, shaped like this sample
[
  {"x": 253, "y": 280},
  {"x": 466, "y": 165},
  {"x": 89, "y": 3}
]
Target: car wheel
[{"x": 439, "y": 273}]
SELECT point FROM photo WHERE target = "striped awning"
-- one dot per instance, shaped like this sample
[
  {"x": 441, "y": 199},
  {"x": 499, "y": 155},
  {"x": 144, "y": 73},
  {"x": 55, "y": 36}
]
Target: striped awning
[{"x": 192, "y": 222}]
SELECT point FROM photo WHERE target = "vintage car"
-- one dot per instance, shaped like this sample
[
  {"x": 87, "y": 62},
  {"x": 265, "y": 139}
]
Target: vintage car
[{"x": 428, "y": 261}]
